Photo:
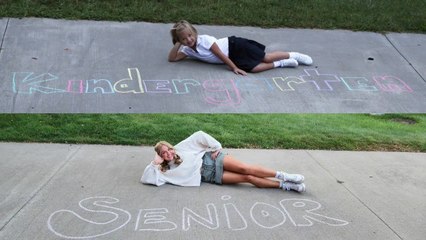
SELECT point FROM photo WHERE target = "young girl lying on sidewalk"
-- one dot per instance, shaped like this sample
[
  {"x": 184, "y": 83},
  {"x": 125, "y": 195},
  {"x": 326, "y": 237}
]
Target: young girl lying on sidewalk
[{"x": 240, "y": 54}]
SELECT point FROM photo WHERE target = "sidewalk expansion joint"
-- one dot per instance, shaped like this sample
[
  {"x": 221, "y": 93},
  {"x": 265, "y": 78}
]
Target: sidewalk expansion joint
[
  {"x": 342, "y": 183},
  {"x": 41, "y": 187},
  {"x": 405, "y": 58},
  {"x": 4, "y": 35}
]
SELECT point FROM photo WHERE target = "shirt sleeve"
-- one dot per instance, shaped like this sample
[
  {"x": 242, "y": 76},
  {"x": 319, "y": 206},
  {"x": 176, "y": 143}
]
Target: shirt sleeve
[
  {"x": 208, "y": 141},
  {"x": 207, "y": 41},
  {"x": 187, "y": 51},
  {"x": 151, "y": 175},
  {"x": 200, "y": 141}
]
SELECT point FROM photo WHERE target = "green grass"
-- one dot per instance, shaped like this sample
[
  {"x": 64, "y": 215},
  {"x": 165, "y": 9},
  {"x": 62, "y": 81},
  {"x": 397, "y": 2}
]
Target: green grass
[
  {"x": 365, "y": 15},
  {"x": 284, "y": 131}
]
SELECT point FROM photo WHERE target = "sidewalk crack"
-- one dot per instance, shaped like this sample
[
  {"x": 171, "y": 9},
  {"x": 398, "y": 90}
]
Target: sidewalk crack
[
  {"x": 342, "y": 183},
  {"x": 4, "y": 35},
  {"x": 405, "y": 58},
  {"x": 69, "y": 158}
]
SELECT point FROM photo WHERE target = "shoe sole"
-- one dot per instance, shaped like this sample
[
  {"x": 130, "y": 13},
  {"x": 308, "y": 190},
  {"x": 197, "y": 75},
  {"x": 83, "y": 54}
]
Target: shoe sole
[{"x": 303, "y": 188}]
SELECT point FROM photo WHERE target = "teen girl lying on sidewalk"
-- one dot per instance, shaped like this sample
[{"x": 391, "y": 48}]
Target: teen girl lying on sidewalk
[{"x": 199, "y": 159}]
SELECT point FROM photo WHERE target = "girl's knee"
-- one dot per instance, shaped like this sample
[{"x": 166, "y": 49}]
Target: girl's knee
[
  {"x": 250, "y": 178},
  {"x": 268, "y": 59},
  {"x": 256, "y": 181},
  {"x": 246, "y": 178},
  {"x": 239, "y": 170}
]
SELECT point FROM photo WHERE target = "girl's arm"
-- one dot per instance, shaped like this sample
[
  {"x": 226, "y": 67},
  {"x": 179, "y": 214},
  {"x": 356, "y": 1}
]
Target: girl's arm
[
  {"x": 199, "y": 141},
  {"x": 157, "y": 160},
  {"x": 205, "y": 140},
  {"x": 215, "y": 154},
  {"x": 174, "y": 54},
  {"x": 152, "y": 175},
  {"x": 216, "y": 50}
]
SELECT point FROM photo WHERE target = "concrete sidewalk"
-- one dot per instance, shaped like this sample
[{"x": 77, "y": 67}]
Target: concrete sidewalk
[
  {"x": 56, "y": 66},
  {"x": 54, "y": 191}
]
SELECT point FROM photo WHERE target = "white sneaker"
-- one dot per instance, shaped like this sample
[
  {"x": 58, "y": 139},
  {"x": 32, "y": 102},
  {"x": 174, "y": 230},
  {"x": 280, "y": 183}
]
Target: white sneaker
[
  {"x": 298, "y": 187},
  {"x": 289, "y": 62},
  {"x": 301, "y": 58},
  {"x": 294, "y": 178}
]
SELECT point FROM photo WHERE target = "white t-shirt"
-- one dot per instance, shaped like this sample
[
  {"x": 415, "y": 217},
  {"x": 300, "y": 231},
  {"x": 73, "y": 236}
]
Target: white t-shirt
[
  {"x": 191, "y": 151},
  {"x": 203, "y": 53}
]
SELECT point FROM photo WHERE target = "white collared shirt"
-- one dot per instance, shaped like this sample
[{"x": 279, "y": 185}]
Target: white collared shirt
[{"x": 203, "y": 53}]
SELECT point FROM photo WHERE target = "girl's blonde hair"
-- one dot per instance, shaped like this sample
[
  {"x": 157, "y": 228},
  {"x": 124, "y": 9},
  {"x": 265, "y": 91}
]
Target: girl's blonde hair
[
  {"x": 179, "y": 27},
  {"x": 164, "y": 166}
]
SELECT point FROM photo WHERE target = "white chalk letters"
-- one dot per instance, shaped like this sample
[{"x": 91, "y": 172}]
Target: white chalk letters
[{"x": 99, "y": 218}]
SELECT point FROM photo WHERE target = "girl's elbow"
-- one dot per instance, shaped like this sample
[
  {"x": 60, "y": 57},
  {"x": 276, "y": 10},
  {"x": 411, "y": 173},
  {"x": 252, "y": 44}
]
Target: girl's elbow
[{"x": 175, "y": 59}]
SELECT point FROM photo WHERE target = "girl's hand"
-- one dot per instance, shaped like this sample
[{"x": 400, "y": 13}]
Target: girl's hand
[
  {"x": 174, "y": 54},
  {"x": 157, "y": 159},
  {"x": 216, "y": 51},
  {"x": 239, "y": 71},
  {"x": 215, "y": 154}
]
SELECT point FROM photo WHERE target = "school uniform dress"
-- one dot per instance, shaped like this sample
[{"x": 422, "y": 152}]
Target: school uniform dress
[
  {"x": 197, "y": 164},
  {"x": 244, "y": 53}
]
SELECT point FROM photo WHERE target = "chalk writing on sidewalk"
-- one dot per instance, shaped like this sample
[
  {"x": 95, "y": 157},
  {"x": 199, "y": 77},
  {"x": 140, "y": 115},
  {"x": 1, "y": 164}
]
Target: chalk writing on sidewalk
[
  {"x": 111, "y": 218},
  {"x": 101, "y": 218},
  {"x": 214, "y": 91}
]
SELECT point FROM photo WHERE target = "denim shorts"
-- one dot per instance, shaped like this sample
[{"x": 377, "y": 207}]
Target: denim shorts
[{"x": 212, "y": 170}]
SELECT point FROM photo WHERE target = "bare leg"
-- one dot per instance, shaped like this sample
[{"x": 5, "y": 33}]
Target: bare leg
[
  {"x": 236, "y": 171},
  {"x": 233, "y": 178},
  {"x": 231, "y": 164},
  {"x": 275, "y": 56},
  {"x": 262, "y": 67},
  {"x": 267, "y": 62}
]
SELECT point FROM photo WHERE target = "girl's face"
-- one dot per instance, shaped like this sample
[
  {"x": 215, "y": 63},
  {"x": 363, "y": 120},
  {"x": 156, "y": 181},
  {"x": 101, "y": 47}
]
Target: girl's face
[
  {"x": 187, "y": 38},
  {"x": 167, "y": 153}
]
